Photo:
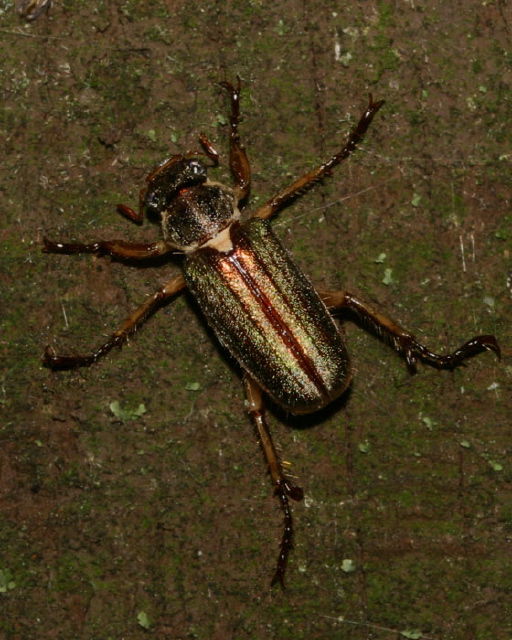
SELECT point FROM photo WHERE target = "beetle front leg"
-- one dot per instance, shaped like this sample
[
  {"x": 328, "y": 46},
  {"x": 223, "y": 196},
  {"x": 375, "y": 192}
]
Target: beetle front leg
[
  {"x": 403, "y": 341},
  {"x": 114, "y": 248},
  {"x": 283, "y": 488},
  {"x": 238, "y": 160},
  {"x": 286, "y": 196},
  {"x": 130, "y": 325}
]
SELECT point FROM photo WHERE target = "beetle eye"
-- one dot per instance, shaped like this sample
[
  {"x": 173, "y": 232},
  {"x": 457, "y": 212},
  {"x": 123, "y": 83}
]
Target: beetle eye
[{"x": 197, "y": 168}]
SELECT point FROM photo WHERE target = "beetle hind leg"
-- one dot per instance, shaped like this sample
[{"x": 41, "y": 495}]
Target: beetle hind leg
[
  {"x": 403, "y": 341},
  {"x": 283, "y": 487}
]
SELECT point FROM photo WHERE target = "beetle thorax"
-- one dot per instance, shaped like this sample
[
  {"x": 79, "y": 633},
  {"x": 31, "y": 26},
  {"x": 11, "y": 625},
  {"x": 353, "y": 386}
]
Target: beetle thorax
[{"x": 197, "y": 214}]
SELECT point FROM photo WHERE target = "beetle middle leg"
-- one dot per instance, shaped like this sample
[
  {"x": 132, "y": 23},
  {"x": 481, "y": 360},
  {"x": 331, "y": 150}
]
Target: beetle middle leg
[
  {"x": 283, "y": 488},
  {"x": 403, "y": 341},
  {"x": 130, "y": 325}
]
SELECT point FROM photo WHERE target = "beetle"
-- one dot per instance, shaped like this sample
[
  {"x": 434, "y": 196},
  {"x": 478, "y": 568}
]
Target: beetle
[{"x": 257, "y": 301}]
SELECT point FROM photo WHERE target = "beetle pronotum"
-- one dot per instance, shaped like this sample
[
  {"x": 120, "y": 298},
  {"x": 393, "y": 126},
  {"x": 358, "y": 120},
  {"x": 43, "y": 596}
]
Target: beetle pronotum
[{"x": 260, "y": 305}]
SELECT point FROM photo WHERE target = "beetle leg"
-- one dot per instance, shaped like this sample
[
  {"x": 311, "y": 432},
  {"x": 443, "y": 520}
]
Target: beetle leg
[
  {"x": 209, "y": 149},
  {"x": 114, "y": 248},
  {"x": 286, "y": 196},
  {"x": 238, "y": 160},
  {"x": 130, "y": 325},
  {"x": 403, "y": 341},
  {"x": 131, "y": 214},
  {"x": 283, "y": 488}
]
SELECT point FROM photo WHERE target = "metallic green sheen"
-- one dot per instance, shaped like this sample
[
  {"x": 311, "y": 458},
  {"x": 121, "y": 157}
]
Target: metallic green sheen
[{"x": 265, "y": 311}]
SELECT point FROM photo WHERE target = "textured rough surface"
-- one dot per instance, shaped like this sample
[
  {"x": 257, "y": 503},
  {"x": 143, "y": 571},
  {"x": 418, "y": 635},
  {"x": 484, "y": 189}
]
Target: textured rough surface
[{"x": 113, "y": 521}]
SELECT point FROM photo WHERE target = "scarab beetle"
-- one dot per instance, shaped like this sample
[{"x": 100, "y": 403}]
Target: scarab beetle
[{"x": 258, "y": 302}]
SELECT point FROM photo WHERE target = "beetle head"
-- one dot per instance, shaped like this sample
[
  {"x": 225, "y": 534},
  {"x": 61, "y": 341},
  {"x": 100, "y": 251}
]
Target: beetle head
[
  {"x": 164, "y": 184},
  {"x": 192, "y": 208}
]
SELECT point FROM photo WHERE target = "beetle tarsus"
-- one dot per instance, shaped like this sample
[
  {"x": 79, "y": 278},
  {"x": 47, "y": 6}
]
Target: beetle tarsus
[
  {"x": 56, "y": 363},
  {"x": 414, "y": 351},
  {"x": 284, "y": 491},
  {"x": 64, "y": 363},
  {"x": 286, "y": 540}
]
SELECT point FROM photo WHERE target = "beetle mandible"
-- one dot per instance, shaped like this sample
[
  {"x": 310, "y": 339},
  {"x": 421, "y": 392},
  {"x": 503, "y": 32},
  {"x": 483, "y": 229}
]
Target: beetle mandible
[{"x": 258, "y": 302}]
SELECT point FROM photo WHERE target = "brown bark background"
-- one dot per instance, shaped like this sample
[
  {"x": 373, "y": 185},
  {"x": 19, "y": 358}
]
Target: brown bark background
[{"x": 163, "y": 524}]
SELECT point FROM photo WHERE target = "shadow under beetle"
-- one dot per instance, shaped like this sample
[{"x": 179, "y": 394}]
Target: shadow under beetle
[{"x": 260, "y": 305}]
